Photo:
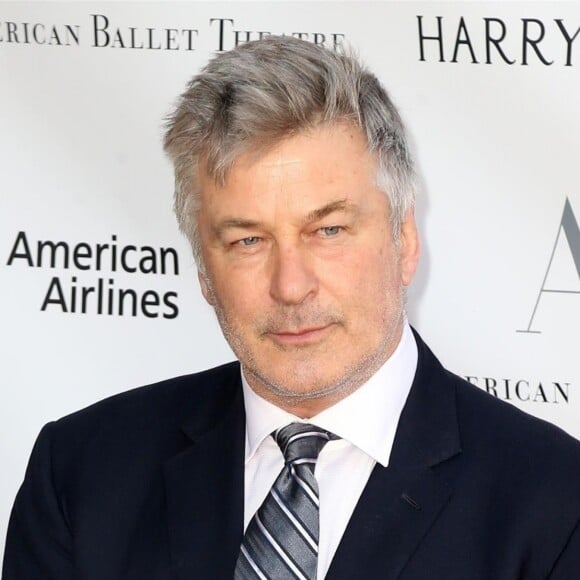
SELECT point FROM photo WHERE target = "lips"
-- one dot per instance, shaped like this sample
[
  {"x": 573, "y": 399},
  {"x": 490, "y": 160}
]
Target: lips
[{"x": 301, "y": 336}]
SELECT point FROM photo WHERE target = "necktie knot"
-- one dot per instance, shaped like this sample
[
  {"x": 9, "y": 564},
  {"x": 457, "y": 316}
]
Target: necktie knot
[{"x": 302, "y": 442}]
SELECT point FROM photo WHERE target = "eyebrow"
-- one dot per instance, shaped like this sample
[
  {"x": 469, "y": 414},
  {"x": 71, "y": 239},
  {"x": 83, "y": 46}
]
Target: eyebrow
[
  {"x": 312, "y": 216},
  {"x": 322, "y": 212},
  {"x": 233, "y": 223}
]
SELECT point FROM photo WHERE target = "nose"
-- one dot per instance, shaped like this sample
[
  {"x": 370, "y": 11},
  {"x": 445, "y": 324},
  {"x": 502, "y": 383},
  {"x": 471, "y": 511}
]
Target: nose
[{"x": 293, "y": 278}]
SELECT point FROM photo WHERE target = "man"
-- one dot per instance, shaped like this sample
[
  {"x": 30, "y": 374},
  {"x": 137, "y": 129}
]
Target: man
[{"x": 338, "y": 447}]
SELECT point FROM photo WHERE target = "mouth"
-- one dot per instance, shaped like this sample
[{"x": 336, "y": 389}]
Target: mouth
[{"x": 300, "y": 337}]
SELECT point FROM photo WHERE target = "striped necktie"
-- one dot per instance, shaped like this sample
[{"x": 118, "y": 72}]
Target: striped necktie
[{"x": 281, "y": 541}]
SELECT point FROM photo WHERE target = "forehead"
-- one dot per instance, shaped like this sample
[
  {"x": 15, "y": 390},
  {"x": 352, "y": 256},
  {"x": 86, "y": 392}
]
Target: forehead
[{"x": 298, "y": 173}]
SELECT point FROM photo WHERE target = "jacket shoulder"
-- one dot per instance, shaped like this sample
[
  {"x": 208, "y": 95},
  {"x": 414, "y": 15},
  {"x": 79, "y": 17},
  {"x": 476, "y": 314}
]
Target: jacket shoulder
[
  {"x": 513, "y": 440},
  {"x": 175, "y": 391},
  {"x": 151, "y": 412}
]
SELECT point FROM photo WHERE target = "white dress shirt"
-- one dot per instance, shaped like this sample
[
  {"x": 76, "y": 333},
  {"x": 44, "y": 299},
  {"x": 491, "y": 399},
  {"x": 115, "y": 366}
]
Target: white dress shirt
[{"x": 365, "y": 421}]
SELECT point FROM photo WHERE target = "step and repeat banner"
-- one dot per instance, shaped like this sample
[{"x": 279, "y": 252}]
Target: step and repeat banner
[{"x": 98, "y": 291}]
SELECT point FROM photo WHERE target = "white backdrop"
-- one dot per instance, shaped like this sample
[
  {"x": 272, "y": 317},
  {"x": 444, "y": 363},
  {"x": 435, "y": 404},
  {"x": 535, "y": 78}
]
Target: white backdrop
[{"x": 81, "y": 110}]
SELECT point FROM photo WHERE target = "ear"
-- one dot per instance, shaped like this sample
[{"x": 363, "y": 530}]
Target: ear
[
  {"x": 410, "y": 248},
  {"x": 205, "y": 287}
]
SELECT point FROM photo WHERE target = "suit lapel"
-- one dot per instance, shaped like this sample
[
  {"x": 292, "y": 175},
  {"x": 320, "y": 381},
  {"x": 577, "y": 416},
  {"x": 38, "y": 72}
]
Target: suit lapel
[
  {"x": 402, "y": 501},
  {"x": 205, "y": 497}
]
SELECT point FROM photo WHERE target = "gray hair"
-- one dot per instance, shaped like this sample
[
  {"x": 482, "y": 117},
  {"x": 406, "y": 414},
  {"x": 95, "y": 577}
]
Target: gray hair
[{"x": 252, "y": 97}]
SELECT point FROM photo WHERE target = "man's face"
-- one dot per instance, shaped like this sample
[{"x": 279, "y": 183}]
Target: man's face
[{"x": 301, "y": 267}]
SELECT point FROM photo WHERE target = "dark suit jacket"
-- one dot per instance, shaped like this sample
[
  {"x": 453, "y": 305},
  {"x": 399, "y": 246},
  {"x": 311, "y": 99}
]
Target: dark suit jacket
[{"x": 148, "y": 485}]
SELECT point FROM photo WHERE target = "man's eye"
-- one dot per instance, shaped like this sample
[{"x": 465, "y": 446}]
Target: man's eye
[
  {"x": 249, "y": 241},
  {"x": 330, "y": 231}
]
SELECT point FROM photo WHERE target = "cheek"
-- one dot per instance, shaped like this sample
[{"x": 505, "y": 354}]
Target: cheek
[
  {"x": 239, "y": 302},
  {"x": 375, "y": 287},
  {"x": 357, "y": 285},
  {"x": 371, "y": 271}
]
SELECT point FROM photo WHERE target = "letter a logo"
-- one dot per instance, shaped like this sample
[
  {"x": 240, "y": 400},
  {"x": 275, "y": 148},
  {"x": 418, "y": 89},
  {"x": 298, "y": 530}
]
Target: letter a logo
[{"x": 568, "y": 225}]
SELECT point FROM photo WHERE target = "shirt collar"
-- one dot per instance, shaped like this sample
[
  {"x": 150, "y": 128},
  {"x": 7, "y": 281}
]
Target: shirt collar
[{"x": 367, "y": 418}]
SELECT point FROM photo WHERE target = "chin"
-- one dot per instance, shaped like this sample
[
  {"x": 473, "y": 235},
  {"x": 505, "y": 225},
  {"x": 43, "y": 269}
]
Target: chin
[{"x": 300, "y": 384}]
